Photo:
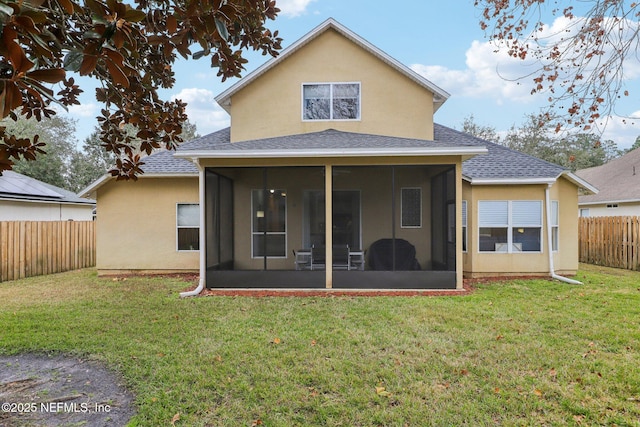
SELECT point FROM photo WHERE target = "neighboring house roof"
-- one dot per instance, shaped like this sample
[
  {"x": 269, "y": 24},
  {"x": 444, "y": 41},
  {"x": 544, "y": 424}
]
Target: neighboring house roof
[
  {"x": 15, "y": 186},
  {"x": 439, "y": 94},
  {"x": 617, "y": 180}
]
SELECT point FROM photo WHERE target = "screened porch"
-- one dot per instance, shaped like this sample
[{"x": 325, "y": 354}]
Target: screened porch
[{"x": 390, "y": 227}]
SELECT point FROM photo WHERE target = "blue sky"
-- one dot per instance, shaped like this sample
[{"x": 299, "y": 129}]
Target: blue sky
[{"x": 439, "y": 39}]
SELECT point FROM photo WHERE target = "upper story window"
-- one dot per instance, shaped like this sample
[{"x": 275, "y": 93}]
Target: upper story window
[{"x": 331, "y": 101}]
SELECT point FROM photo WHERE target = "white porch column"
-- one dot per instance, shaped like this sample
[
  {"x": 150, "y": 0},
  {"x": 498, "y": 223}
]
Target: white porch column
[{"x": 328, "y": 229}]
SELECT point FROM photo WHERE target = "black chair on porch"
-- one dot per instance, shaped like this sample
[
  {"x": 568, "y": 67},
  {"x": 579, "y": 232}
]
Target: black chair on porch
[{"x": 341, "y": 257}]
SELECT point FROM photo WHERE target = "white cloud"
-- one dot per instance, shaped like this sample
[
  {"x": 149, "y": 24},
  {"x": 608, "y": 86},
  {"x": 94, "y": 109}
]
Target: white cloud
[
  {"x": 489, "y": 74},
  {"x": 293, "y": 8},
  {"x": 203, "y": 110},
  {"x": 83, "y": 111},
  {"x": 623, "y": 130}
]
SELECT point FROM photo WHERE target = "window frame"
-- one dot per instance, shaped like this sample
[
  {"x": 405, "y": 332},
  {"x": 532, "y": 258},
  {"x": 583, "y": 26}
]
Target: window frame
[
  {"x": 268, "y": 233},
  {"x": 182, "y": 227},
  {"x": 331, "y": 98},
  {"x": 510, "y": 226}
]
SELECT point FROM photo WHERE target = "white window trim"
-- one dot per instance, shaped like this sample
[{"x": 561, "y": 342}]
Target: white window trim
[
  {"x": 402, "y": 206},
  {"x": 253, "y": 233},
  {"x": 178, "y": 227},
  {"x": 331, "y": 84},
  {"x": 584, "y": 211},
  {"x": 510, "y": 226}
]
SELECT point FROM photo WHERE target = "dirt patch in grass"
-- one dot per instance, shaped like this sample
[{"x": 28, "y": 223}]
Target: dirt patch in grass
[{"x": 40, "y": 390}]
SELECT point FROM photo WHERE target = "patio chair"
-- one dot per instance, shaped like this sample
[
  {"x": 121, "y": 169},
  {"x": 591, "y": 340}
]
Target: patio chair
[
  {"x": 317, "y": 257},
  {"x": 302, "y": 259},
  {"x": 341, "y": 257}
]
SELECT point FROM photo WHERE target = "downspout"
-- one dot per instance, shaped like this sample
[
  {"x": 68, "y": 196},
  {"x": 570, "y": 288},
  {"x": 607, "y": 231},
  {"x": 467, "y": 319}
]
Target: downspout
[
  {"x": 552, "y": 272},
  {"x": 203, "y": 260}
]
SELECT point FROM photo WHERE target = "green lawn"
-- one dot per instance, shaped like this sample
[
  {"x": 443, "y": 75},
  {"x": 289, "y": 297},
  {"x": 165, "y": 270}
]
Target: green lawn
[{"x": 525, "y": 352}]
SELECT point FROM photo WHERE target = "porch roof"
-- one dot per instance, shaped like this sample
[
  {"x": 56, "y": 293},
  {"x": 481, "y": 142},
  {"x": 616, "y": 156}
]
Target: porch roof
[{"x": 327, "y": 143}]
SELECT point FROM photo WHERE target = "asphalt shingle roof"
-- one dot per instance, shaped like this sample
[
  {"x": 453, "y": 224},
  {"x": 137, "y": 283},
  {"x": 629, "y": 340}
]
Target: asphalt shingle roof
[
  {"x": 327, "y": 139},
  {"x": 500, "y": 162},
  {"x": 617, "y": 180},
  {"x": 164, "y": 162}
]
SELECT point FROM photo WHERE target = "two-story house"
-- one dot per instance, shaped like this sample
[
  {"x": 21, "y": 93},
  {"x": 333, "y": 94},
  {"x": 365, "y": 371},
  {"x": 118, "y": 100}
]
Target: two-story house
[{"x": 333, "y": 174}]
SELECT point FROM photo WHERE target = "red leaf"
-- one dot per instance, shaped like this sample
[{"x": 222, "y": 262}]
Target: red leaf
[
  {"x": 89, "y": 63},
  {"x": 52, "y": 75},
  {"x": 117, "y": 74},
  {"x": 18, "y": 59}
]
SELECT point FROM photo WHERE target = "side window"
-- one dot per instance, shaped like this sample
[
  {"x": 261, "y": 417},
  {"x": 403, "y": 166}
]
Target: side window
[{"x": 188, "y": 226}]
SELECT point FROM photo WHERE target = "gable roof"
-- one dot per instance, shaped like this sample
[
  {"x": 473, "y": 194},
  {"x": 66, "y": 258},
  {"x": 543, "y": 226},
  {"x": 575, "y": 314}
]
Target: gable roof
[
  {"x": 15, "y": 186},
  {"x": 617, "y": 180},
  {"x": 439, "y": 94}
]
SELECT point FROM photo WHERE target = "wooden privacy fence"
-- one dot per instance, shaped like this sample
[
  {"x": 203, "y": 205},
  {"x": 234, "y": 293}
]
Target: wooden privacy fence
[
  {"x": 612, "y": 241},
  {"x": 33, "y": 248}
]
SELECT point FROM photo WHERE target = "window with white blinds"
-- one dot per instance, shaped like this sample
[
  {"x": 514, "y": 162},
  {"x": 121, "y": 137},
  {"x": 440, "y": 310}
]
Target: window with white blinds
[
  {"x": 188, "y": 226},
  {"x": 510, "y": 226}
]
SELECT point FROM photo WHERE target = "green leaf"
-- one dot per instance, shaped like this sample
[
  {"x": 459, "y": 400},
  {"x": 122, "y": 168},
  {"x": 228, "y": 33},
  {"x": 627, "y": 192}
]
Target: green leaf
[
  {"x": 73, "y": 60},
  {"x": 199, "y": 54},
  {"x": 222, "y": 29},
  {"x": 135, "y": 15}
]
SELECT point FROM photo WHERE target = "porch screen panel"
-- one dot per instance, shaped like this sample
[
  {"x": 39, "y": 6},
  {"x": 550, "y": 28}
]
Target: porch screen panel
[
  {"x": 212, "y": 214},
  {"x": 226, "y": 223},
  {"x": 443, "y": 219}
]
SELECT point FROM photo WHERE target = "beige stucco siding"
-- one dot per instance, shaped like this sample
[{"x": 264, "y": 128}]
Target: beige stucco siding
[
  {"x": 477, "y": 264},
  {"x": 391, "y": 103},
  {"x": 136, "y": 225}
]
